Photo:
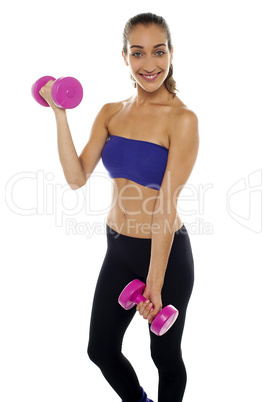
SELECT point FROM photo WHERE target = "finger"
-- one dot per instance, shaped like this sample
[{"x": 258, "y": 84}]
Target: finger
[
  {"x": 147, "y": 310},
  {"x": 139, "y": 306},
  {"x": 49, "y": 84},
  {"x": 142, "y": 306},
  {"x": 153, "y": 313},
  {"x": 146, "y": 294},
  {"x": 46, "y": 89}
]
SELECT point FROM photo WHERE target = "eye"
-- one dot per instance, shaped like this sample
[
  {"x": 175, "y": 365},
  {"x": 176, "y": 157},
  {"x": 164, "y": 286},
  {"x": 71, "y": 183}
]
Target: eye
[
  {"x": 137, "y": 54},
  {"x": 160, "y": 53}
]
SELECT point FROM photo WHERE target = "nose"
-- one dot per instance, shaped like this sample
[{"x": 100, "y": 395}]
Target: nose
[
  {"x": 149, "y": 66},
  {"x": 149, "y": 70}
]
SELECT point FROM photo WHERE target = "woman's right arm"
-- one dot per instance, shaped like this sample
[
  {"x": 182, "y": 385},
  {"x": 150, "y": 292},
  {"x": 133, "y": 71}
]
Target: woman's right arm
[
  {"x": 72, "y": 167},
  {"x": 78, "y": 169}
]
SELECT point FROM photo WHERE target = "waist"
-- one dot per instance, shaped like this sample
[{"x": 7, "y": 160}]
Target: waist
[
  {"x": 133, "y": 207},
  {"x": 141, "y": 230}
]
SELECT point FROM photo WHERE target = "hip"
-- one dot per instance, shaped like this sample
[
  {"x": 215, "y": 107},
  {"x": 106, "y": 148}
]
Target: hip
[
  {"x": 130, "y": 256},
  {"x": 138, "y": 226}
]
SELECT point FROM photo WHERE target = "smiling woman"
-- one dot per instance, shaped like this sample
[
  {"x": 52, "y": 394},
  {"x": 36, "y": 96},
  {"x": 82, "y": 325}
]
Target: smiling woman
[
  {"x": 146, "y": 20},
  {"x": 148, "y": 144},
  {"x": 150, "y": 152}
]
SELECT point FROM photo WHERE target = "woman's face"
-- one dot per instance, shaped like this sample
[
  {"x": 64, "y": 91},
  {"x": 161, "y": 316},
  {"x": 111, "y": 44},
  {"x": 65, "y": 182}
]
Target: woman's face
[{"x": 148, "y": 56}]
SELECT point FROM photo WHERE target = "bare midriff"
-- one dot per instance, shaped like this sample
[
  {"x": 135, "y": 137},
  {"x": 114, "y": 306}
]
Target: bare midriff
[
  {"x": 133, "y": 204},
  {"x": 132, "y": 207}
]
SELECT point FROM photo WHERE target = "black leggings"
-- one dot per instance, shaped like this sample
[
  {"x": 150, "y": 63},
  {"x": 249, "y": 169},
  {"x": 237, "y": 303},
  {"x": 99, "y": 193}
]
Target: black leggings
[{"x": 127, "y": 258}]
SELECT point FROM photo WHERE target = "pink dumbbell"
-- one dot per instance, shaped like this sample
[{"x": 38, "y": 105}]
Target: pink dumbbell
[
  {"x": 132, "y": 294},
  {"x": 66, "y": 92}
]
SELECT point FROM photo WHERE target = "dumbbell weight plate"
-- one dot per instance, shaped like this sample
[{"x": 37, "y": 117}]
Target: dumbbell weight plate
[
  {"x": 37, "y": 86},
  {"x": 67, "y": 92},
  {"x": 129, "y": 293},
  {"x": 164, "y": 320}
]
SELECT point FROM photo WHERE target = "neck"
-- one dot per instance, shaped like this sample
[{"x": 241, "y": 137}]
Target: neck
[{"x": 159, "y": 96}]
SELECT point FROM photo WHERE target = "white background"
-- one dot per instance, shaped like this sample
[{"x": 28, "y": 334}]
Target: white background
[{"x": 50, "y": 263}]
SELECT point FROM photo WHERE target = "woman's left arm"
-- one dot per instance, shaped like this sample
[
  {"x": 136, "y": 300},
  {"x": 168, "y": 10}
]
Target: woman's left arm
[{"x": 183, "y": 150}]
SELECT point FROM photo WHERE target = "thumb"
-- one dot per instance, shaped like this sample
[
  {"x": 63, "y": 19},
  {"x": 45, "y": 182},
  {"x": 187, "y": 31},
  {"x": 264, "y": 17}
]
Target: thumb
[
  {"x": 153, "y": 313},
  {"x": 145, "y": 294}
]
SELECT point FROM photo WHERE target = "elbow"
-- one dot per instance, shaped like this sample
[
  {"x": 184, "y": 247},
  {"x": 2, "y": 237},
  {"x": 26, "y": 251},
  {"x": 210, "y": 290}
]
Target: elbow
[
  {"x": 76, "y": 186},
  {"x": 77, "y": 181}
]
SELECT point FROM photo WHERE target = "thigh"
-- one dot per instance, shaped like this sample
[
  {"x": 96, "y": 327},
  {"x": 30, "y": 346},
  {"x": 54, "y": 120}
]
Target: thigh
[
  {"x": 177, "y": 289},
  {"x": 109, "y": 320},
  {"x": 179, "y": 276}
]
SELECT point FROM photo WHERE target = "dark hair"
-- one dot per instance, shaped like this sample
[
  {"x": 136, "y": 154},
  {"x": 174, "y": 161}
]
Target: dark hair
[{"x": 149, "y": 19}]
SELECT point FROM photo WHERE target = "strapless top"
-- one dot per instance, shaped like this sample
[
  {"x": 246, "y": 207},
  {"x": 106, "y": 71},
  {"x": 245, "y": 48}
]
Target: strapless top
[{"x": 141, "y": 161}]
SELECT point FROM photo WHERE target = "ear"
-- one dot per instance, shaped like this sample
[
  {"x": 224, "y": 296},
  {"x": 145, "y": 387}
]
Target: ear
[{"x": 125, "y": 58}]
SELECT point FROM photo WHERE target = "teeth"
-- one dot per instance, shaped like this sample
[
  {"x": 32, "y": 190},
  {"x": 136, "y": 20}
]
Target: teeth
[{"x": 150, "y": 76}]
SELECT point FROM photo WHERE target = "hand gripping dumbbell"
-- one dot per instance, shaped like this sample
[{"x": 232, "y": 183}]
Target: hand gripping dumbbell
[
  {"x": 66, "y": 92},
  {"x": 132, "y": 294}
]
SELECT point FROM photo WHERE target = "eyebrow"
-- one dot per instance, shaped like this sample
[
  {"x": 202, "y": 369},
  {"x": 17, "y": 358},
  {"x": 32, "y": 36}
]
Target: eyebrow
[{"x": 142, "y": 47}]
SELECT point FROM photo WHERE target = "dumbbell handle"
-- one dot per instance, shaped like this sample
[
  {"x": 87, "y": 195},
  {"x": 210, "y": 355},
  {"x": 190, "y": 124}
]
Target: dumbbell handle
[{"x": 140, "y": 298}]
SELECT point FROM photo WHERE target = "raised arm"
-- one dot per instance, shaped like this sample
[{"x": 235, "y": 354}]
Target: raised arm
[{"x": 77, "y": 169}]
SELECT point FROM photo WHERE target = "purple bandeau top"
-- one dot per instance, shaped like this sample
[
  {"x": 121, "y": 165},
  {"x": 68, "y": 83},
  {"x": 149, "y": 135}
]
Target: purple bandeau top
[{"x": 140, "y": 161}]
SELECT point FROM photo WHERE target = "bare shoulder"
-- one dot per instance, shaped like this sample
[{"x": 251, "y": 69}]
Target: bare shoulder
[
  {"x": 183, "y": 123},
  {"x": 182, "y": 114},
  {"x": 112, "y": 108}
]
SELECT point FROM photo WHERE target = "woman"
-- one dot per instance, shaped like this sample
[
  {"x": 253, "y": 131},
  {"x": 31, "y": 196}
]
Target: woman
[{"x": 149, "y": 145}]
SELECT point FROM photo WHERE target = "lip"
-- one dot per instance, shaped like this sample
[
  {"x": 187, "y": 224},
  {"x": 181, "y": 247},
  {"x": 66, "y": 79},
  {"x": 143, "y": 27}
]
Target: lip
[{"x": 150, "y": 77}]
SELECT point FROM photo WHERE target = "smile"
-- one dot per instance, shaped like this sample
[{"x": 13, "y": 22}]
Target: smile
[{"x": 150, "y": 77}]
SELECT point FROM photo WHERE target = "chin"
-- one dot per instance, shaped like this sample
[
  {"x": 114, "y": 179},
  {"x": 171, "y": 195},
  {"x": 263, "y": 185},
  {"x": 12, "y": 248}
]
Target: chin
[{"x": 150, "y": 87}]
